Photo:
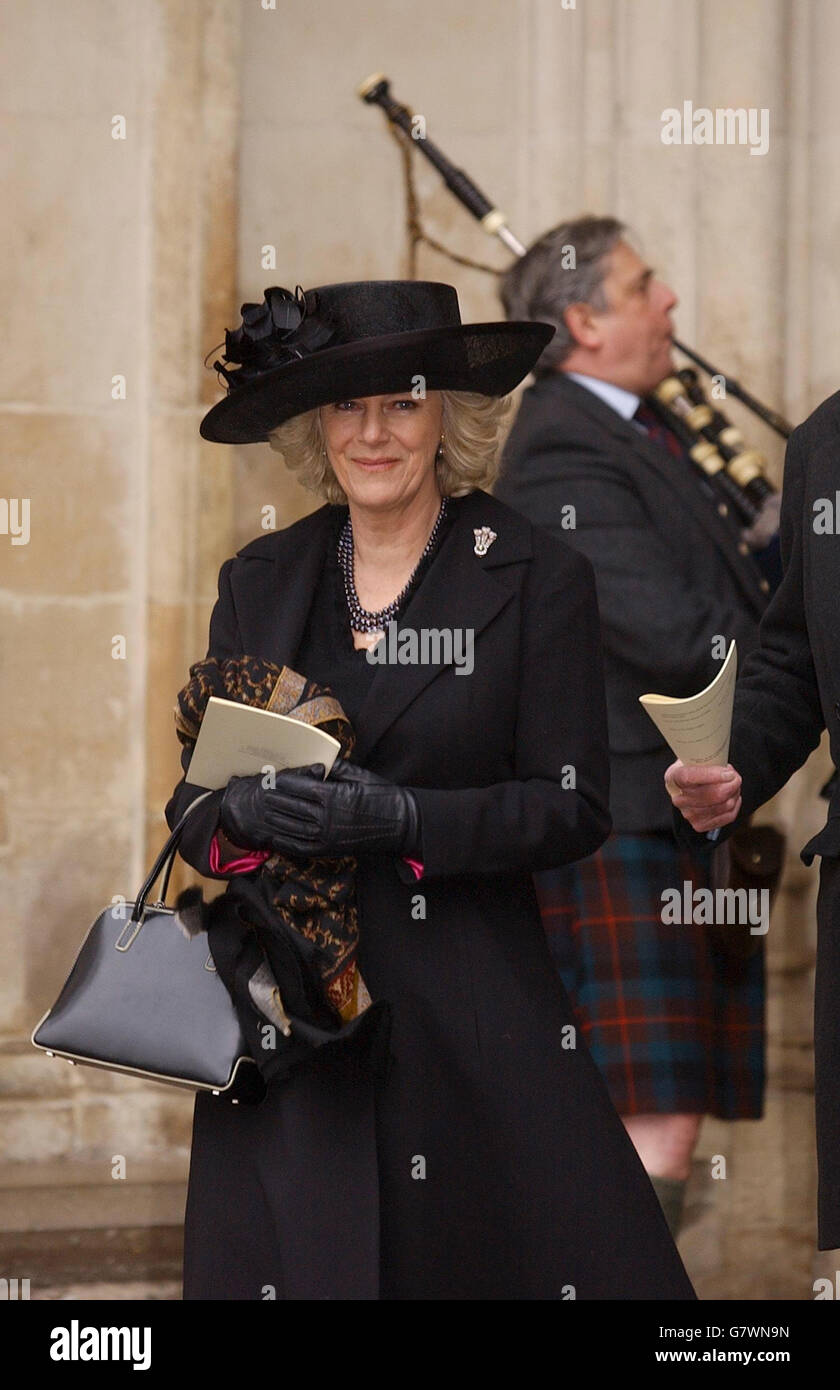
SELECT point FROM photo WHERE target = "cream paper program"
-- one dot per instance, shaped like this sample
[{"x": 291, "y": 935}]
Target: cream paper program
[{"x": 697, "y": 728}]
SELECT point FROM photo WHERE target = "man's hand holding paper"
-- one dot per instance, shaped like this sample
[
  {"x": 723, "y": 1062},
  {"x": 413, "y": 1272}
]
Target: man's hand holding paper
[
  {"x": 708, "y": 797},
  {"x": 701, "y": 784}
]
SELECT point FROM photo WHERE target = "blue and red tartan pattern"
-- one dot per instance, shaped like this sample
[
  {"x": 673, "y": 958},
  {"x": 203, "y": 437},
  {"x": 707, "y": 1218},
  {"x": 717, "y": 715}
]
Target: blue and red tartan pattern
[{"x": 674, "y": 1024}]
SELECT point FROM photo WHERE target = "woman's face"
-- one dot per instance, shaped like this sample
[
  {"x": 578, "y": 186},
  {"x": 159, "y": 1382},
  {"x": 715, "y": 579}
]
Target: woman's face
[{"x": 382, "y": 448}]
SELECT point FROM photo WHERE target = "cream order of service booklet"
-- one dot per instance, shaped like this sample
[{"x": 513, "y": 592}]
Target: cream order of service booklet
[
  {"x": 697, "y": 728},
  {"x": 240, "y": 740}
]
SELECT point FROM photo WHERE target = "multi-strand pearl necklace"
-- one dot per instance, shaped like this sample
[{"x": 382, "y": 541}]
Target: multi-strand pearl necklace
[{"x": 361, "y": 620}]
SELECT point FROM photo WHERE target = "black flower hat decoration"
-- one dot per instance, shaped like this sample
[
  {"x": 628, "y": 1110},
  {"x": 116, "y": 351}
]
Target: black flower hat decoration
[{"x": 285, "y": 327}]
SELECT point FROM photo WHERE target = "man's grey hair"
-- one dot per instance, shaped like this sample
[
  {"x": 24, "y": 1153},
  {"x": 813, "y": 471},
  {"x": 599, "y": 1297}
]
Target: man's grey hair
[{"x": 566, "y": 266}]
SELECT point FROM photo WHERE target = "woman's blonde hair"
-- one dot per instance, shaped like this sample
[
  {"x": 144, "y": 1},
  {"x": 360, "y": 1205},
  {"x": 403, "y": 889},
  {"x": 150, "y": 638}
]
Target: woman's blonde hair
[{"x": 472, "y": 426}]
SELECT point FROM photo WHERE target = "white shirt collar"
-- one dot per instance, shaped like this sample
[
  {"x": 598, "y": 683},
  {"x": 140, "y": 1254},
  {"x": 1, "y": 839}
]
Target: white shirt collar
[{"x": 624, "y": 402}]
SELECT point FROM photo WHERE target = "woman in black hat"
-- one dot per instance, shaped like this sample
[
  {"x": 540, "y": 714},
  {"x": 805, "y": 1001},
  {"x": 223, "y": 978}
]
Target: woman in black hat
[{"x": 482, "y": 1158}]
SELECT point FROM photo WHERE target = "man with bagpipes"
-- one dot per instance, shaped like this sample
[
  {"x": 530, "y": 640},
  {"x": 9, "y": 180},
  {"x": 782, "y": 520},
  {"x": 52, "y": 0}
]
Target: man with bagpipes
[{"x": 673, "y": 1012}]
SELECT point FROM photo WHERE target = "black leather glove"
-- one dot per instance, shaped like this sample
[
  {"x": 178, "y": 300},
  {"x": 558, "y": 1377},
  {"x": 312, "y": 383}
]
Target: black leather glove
[
  {"x": 351, "y": 774},
  {"x": 242, "y": 813},
  {"x": 352, "y": 812}
]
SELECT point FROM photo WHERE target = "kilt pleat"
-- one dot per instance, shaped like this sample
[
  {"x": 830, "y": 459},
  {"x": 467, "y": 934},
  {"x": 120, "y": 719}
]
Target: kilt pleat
[{"x": 675, "y": 1024}]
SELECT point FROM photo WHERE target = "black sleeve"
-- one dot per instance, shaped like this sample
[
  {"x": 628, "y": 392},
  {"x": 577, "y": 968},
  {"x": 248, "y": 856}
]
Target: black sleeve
[
  {"x": 538, "y": 820},
  {"x": 777, "y": 718},
  {"x": 225, "y": 641}
]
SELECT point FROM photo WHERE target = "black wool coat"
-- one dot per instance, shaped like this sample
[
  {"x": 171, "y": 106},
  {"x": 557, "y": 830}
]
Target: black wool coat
[
  {"x": 490, "y": 1162},
  {"x": 670, "y": 567},
  {"x": 787, "y": 693}
]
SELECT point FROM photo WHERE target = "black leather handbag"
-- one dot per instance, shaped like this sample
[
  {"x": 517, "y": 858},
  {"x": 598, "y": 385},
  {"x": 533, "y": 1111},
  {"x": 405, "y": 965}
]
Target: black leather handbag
[{"x": 144, "y": 997}]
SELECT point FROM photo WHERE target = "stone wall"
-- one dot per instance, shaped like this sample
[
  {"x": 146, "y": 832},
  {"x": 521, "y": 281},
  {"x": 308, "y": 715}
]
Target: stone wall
[
  {"x": 122, "y": 267},
  {"x": 243, "y": 132}
]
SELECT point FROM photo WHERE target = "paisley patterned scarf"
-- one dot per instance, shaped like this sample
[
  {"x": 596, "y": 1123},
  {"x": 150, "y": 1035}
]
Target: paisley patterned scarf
[{"x": 285, "y": 936}]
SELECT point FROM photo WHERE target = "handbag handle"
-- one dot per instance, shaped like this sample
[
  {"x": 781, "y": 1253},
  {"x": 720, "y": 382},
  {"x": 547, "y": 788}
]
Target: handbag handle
[{"x": 167, "y": 853}]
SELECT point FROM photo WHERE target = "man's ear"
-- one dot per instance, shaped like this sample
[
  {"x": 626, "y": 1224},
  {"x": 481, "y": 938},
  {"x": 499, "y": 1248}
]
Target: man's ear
[{"x": 583, "y": 326}]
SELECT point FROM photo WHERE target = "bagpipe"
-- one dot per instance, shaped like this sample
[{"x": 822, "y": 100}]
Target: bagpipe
[{"x": 715, "y": 445}]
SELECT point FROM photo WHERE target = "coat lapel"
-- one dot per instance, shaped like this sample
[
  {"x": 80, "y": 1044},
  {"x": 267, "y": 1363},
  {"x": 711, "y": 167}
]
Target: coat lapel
[
  {"x": 273, "y": 598},
  {"x": 682, "y": 481},
  {"x": 458, "y": 591}
]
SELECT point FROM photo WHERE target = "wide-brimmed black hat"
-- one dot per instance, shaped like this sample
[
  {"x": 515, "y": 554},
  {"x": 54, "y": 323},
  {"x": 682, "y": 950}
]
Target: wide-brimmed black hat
[{"x": 361, "y": 338}]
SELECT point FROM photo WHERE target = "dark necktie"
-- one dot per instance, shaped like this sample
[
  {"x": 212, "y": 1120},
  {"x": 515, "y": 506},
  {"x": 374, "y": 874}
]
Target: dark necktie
[{"x": 659, "y": 433}]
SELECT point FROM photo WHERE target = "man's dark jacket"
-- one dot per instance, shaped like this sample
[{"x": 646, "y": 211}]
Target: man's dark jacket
[
  {"x": 788, "y": 693},
  {"x": 670, "y": 568}
]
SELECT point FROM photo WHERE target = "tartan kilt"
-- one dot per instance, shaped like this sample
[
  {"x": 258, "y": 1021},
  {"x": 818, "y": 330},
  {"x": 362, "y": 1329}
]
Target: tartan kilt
[{"x": 675, "y": 1024}]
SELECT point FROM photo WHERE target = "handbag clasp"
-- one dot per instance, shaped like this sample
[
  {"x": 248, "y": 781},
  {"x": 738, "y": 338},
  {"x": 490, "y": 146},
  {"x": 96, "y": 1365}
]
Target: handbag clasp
[{"x": 132, "y": 925}]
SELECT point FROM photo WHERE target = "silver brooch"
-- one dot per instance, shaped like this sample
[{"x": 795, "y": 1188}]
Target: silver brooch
[{"x": 484, "y": 538}]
